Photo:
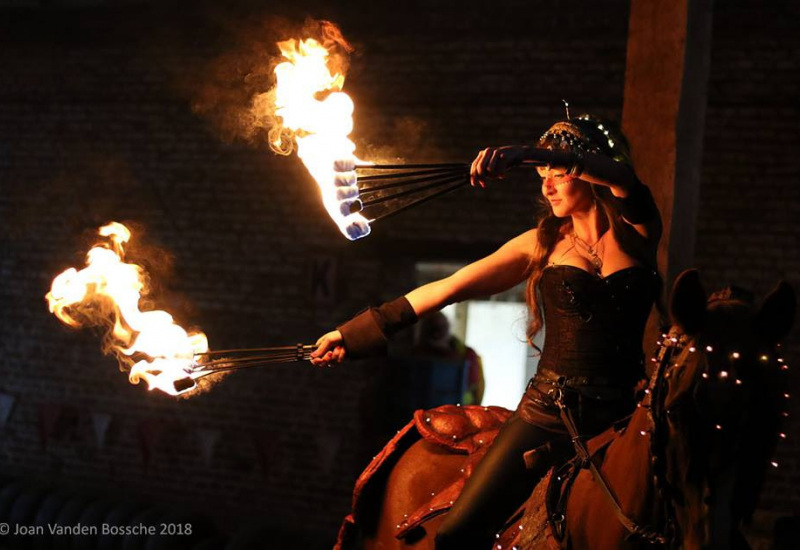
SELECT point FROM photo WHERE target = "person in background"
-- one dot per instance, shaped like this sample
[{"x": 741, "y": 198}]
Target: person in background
[{"x": 436, "y": 340}]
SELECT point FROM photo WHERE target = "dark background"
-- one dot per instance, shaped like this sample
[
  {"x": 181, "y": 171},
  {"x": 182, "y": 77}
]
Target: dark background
[{"x": 125, "y": 111}]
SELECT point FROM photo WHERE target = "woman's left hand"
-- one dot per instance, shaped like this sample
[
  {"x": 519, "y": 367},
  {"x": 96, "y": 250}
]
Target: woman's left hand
[{"x": 494, "y": 161}]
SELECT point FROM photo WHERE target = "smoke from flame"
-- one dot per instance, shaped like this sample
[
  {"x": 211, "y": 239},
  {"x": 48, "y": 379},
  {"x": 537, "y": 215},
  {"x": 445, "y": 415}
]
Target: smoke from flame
[
  {"x": 107, "y": 293},
  {"x": 312, "y": 68},
  {"x": 308, "y": 112}
]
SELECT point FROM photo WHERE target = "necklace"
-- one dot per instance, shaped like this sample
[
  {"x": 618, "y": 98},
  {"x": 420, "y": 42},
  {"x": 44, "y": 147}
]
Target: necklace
[{"x": 590, "y": 249}]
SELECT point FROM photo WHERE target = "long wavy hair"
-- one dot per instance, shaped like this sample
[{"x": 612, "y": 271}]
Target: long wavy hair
[{"x": 592, "y": 135}]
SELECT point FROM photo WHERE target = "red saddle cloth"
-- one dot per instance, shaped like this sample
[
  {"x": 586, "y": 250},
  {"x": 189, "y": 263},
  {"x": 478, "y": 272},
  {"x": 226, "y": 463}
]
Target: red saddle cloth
[{"x": 468, "y": 430}]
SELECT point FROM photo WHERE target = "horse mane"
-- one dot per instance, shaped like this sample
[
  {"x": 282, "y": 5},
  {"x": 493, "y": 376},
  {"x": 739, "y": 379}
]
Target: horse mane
[{"x": 732, "y": 294}]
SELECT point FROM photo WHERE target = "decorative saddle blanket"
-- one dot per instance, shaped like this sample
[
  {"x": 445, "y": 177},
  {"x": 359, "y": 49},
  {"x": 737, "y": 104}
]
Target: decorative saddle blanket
[
  {"x": 464, "y": 429},
  {"x": 467, "y": 430}
]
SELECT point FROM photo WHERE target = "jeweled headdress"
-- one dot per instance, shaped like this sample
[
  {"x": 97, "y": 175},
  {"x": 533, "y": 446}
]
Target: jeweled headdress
[{"x": 588, "y": 135}]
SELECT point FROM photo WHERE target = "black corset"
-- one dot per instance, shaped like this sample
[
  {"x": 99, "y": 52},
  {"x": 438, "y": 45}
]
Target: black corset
[{"x": 593, "y": 326}]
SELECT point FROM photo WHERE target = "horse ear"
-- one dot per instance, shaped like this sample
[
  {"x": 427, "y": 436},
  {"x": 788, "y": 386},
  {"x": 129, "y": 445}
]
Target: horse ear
[
  {"x": 687, "y": 306},
  {"x": 777, "y": 313}
]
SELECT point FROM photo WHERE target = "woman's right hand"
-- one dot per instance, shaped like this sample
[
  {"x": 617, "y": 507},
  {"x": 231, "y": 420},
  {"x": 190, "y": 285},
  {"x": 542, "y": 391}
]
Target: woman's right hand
[
  {"x": 330, "y": 350},
  {"x": 494, "y": 161}
]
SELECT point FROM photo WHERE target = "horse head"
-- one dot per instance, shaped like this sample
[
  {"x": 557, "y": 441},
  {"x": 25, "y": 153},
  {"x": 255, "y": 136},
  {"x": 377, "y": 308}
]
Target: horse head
[{"x": 718, "y": 406}]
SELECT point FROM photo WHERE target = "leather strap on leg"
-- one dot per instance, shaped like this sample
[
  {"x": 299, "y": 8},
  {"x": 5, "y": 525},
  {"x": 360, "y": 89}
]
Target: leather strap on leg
[{"x": 586, "y": 461}]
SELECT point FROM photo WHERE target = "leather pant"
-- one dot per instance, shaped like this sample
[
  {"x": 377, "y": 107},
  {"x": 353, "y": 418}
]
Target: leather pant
[
  {"x": 501, "y": 481},
  {"x": 498, "y": 486}
]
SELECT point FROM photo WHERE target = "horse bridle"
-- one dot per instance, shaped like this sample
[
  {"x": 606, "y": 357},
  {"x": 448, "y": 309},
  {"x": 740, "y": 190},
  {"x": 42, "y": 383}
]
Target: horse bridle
[{"x": 657, "y": 414}]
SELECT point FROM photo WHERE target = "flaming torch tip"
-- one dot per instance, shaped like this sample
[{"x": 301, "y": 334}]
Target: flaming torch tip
[
  {"x": 316, "y": 115},
  {"x": 108, "y": 292},
  {"x": 184, "y": 384}
]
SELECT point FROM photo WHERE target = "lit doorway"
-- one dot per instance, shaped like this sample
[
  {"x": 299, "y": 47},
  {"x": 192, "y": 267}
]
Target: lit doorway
[{"x": 495, "y": 328}]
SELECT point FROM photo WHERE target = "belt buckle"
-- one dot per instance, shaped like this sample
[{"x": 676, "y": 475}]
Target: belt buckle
[{"x": 556, "y": 394}]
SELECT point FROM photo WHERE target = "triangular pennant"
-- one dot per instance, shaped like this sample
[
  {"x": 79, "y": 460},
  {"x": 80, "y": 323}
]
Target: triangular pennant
[
  {"x": 327, "y": 449},
  {"x": 148, "y": 430},
  {"x": 6, "y": 407},
  {"x": 48, "y": 416},
  {"x": 100, "y": 424},
  {"x": 269, "y": 452},
  {"x": 208, "y": 441}
]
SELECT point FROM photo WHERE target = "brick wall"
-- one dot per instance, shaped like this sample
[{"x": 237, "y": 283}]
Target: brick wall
[
  {"x": 97, "y": 123},
  {"x": 750, "y": 179}
]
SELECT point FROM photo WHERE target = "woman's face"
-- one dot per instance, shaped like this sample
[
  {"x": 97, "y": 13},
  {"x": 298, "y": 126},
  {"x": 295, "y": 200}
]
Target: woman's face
[{"x": 566, "y": 194}]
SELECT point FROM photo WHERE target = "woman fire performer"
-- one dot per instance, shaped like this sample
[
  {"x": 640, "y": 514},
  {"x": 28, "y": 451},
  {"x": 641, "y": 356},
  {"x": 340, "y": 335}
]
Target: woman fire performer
[{"x": 590, "y": 266}]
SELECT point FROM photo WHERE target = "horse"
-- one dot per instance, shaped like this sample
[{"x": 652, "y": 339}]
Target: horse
[{"x": 684, "y": 470}]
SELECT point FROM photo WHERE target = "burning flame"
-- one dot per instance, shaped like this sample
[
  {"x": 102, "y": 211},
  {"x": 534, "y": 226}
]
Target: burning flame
[
  {"x": 317, "y": 115},
  {"x": 107, "y": 292}
]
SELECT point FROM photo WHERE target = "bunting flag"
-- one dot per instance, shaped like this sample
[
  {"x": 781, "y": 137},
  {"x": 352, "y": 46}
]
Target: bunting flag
[
  {"x": 208, "y": 442},
  {"x": 6, "y": 408},
  {"x": 328, "y": 445},
  {"x": 149, "y": 432},
  {"x": 49, "y": 414},
  {"x": 269, "y": 451},
  {"x": 100, "y": 424}
]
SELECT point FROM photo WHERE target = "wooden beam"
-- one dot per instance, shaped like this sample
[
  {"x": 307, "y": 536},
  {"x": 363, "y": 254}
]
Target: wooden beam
[
  {"x": 663, "y": 113},
  {"x": 663, "y": 116}
]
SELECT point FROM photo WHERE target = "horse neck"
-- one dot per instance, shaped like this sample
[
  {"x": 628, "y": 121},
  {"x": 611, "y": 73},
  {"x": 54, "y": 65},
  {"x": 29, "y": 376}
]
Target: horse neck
[
  {"x": 632, "y": 458},
  {"x": 629, "y": 469}
]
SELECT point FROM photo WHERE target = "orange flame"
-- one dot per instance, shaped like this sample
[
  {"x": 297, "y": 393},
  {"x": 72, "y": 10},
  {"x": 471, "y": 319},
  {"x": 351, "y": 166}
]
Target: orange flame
[
  {"x": 317, "y": 116},
  {"x": 107, "y": 292}
]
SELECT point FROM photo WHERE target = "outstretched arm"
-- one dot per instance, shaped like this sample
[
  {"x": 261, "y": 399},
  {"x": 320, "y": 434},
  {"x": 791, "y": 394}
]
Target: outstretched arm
[{"x": 503, "y": 269}]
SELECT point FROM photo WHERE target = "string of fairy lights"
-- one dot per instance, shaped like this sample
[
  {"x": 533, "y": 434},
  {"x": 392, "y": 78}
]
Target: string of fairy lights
[{"x": 679, "y": 343}]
